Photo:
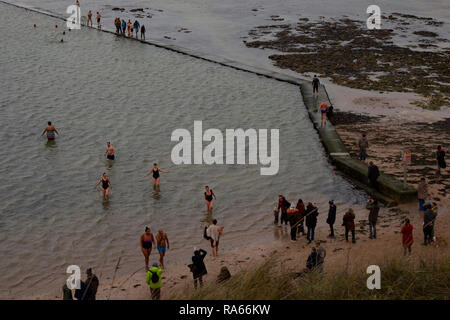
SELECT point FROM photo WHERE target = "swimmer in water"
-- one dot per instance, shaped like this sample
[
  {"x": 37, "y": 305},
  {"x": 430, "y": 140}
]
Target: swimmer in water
[
  {"x": 209, "y": 194},
  {"x": 106, "y": 185},
  {"x": 89, "y": 18},
  {"x": 162, "y": 241},
  {"x": 109, "y": 153},
  {"x": 147, "y": 241},
  {"x": 155, "y": 170},
  {"x": 323, "y": 113},
  {"x": 50, "y": 130}
]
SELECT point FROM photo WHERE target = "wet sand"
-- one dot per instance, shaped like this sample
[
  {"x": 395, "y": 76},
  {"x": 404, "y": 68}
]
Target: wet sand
[{"x": 340, "y": 254}]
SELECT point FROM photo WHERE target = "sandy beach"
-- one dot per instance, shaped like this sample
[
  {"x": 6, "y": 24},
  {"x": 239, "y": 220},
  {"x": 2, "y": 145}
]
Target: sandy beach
[
  {"x": 394, "y": 122},
  {"x": 177, "y": 279}
]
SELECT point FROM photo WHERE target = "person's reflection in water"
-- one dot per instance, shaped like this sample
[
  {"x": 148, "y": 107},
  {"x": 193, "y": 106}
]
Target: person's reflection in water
[
  {"x": 50, "y": 143},
  {"x": 106, "y": 204},
  {"x": 109, "y": 164},
  {"x": 156, "y": 192},
  {"x": 276, "y": 232}
]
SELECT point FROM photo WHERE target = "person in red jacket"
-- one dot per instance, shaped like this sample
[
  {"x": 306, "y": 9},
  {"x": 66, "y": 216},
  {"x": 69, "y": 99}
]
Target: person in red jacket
[{"x": 407, "y": 236}]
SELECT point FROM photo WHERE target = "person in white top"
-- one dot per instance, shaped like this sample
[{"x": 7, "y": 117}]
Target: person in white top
[{"x": 214, "y": 232}]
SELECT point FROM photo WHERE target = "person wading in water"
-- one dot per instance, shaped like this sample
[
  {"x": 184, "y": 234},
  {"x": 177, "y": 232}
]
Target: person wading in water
[
  {"x": 50, "y": 130},
  {"x": 155, "y": 170},
  {"x": 106, "y": 185},
  {"x": 209, "y": 194}
]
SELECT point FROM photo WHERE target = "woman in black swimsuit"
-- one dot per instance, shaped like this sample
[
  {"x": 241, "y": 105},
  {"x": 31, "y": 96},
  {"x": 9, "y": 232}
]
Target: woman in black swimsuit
[
  {"x": 155, "y": 170},
  {"x": 147, "y": 241},
  {"x": 106, "y": 185},
  {"x": 209, "y": 194}
]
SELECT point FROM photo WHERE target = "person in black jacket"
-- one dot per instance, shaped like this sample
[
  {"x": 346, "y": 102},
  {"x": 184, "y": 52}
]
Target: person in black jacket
[
  {"x": 428, "y": 223},
  {"x": 331, "y": 218},
  {"x": 84, "y": 293},
  {"x": 373, "y": 175},
  {"x": 311, "y": 263},
  {"x": 440, "y": 158},
  {"x": 283, "y": 205},
  {"x": 311, "y": 214},
  {"x": 198, "y": 267}
]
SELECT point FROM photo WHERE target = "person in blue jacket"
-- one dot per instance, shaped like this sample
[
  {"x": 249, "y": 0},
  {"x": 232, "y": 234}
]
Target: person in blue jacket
[
  {"x": 136, "y": 25},
  {"x": 124, "y": 26}
]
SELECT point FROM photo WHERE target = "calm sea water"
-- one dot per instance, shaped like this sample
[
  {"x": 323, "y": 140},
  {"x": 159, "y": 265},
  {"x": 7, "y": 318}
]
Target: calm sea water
[{"x": 97, "y": 87}]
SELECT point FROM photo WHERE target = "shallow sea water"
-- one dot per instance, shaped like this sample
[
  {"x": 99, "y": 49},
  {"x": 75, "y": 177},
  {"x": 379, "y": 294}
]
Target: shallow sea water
[{"x": 96, "y": 87}]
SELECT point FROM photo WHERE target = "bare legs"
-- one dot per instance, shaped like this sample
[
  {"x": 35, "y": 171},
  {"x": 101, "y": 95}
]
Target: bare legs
[
  {"x": 146, "y": 253},
  {"x": 105, "y": 193},
  {"x": 323, "y": 119},
  {"x": 161, "y": 259},
  {"x": 214, "y": 247},
  {"x": 209, "y": 205}
]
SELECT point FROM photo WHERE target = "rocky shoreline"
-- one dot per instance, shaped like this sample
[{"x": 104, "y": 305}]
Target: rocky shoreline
[{"x": 377, "y": 61}]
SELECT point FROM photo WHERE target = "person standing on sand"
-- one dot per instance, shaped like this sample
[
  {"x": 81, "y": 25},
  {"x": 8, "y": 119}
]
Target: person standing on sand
[
  {"x": 136, "y": 26},
  {"x": 331, "y": 219},
  {"x": 407, "y": 236},
  {"x": 428, "y": 221},
  {"x": 301, "y": 215},
  {"x": 434, "y": 207},
  {"x": 209, "y": 194},
  {"x": 67, "y": 293},
  {"x": 293, "y": 221},
  {"x": 315, "y": 85},
  {"x": 106, "y": 185},
  {"x": 50, "y": 130},
  {"x": 373, "y": 174},
  {"x": 440, "y": 159},
  {"x": 214, "y": 232},
  {"x": 161, "y": 241},
  {"x": 363, "y": 144},
  {"x": 283, "y": 205},
  {"x": 99, "y": 25},
  {"x": 323, "y": 113},
  {"x": 89, "y": 16},
  {"x": 311, "y": 214},
  {"x": 143, "y": 32},
  {"x": 422, "y": 192},
  {"x": 93, "y": 283},
  {"x": 349, "y": 224},
  {"x": 374, "y": 209},
  {"x": 147, "y": 242},
  {"x": 155, "y": 171},
  {"x": 198, "y": 267},
  {"x": 84, "y": 292},
  {"x": 153, "y": 279},
  {"x": 321, "y": 253}
]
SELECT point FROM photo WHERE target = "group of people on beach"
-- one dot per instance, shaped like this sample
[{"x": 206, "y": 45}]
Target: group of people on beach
[{"x": 298, "y": 215}]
